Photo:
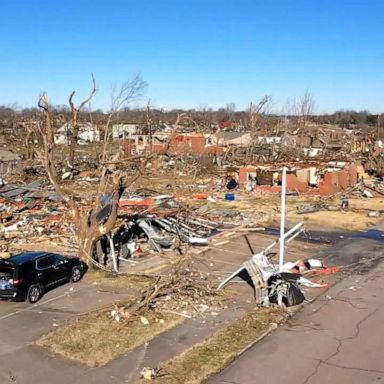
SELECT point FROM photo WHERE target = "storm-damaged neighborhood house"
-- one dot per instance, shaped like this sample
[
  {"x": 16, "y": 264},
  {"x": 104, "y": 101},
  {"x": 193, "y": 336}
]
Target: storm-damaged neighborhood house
[
  {"x": 8, "y": 161},
  {"x": 198, "y": 143},
  {"x": 88, "y": 133},
  {"x": 241, "y": 139},
  {"x": 138, "y": 144},
  {"x": 123, "y": 131},
  {"x": 319, "y": 141}
]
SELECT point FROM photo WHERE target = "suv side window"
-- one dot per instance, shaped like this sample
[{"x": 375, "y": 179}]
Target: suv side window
[
  {"x": 57, "y": 259},
  {"x": 44, "y": 262}
]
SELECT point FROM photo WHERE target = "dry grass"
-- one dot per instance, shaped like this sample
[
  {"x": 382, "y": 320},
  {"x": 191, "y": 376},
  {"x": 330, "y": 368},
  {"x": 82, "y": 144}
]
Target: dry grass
[
  {"x": 211, "y": 356},
  {"x": 95, "y": 339},
  {"x": 265, "y": 210},
  {"x": 354, "y": 219},
  {"x": 121, "y": 281},
  {"x": 342, "y": 221}
]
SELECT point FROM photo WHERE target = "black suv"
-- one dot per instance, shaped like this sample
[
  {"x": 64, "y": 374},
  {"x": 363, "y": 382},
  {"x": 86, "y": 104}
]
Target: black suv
[{"x": 28, "y": 275}]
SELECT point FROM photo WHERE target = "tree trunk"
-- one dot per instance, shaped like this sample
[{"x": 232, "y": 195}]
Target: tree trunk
[
  {"x": 90, "y": 230},
  {"x": 87, "y": 239},
  {"x": 72, "y": 143},
  {"x": 86, "y": 249}
]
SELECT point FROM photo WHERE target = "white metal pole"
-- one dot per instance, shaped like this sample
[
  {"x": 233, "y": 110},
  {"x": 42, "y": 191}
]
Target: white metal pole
[
  {"x": 113, "y": 254},
  {"x": 282, "y": 221},
  {"x": 286, "y": 236}
]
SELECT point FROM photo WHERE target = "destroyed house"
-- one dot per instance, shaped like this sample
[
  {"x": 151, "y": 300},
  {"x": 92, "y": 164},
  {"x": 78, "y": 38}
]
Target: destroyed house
[
  {"x": 228, "y": 124},
  {"x": 325, "y": 180},
  {"x": 88, "y": 133},
  {"x": 140, "y": 144},
  {"x": 197, "y": 143},
  {"x": 241, "y": 139},
  {"x": 177, "y": 143},
  {"x": 8, "y": 161},
  {"x": 269, "y": 140},
  {"x": 123, "y": 131}
]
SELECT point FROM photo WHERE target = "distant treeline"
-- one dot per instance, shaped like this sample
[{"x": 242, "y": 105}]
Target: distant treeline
[{"x": 202, "y": 117}]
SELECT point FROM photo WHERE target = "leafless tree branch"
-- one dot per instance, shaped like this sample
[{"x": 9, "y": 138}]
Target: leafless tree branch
[{"x": 74, "y": 132}]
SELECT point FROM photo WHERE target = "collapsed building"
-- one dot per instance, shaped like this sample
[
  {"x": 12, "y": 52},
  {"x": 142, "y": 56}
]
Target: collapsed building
[
  {"x": 88, "y": 133},
  {"x": 316, "y": 179},
  {"x": 9, "y": 162}
]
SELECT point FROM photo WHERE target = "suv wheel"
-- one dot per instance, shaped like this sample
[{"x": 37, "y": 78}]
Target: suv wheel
[
  {"x": 34, "y": 293},
  {"x": 75, "y": 275}
]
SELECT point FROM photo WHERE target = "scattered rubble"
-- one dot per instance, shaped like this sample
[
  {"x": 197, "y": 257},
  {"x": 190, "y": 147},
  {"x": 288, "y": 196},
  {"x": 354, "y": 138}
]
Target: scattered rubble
[
  {"x": 195, "y": 185},
  {"x": 272, "y": 284}
]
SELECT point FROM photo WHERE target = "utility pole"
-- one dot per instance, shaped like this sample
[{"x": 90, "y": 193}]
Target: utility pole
[
  {"x": 149, "y": 125},
  {"x": 282, "y": 221}
]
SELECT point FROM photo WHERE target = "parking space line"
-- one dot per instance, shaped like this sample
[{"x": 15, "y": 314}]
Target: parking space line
[{"x": 37, "y": 305}]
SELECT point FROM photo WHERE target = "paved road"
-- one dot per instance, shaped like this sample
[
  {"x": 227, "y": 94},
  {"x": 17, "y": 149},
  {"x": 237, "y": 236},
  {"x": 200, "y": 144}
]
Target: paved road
[
  {"x": 23, "y": 323},
  {"x": 336, "y": 339}
]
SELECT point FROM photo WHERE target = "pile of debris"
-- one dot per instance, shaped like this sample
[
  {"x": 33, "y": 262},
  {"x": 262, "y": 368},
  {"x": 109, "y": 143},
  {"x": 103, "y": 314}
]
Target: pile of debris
[
  {"x": 161, "y": 232},
  {"x": 33, "y": 217},
  {"x": 183, "y": 292},
  {"x": 159, "y": 223}
]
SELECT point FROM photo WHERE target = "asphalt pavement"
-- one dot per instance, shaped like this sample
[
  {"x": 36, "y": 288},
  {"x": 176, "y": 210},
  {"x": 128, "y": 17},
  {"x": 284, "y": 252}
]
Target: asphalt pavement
[
  {"x": 335, "y": 339},
  {"x": 22, "y": 323}
]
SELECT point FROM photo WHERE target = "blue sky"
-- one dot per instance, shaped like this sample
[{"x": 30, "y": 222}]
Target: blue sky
[{"x": 196, "y": 52}]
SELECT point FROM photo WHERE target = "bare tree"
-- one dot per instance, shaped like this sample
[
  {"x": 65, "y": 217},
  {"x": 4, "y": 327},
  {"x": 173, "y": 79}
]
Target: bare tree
[
  {"x": 305, "y": 108},
  {"x": 230, "y": 110},
  {"x": 95, "y": 215},
  {"x": 121, "y": 97},
  {"x": 256, "y": 110},
  {"x": 31, "y": 137},
  {"x": 184, "y": 117},
  {"x": 203, "y": 116},
  {"x": 180, "y": 117},
  {"x": 149, "y": 124},
  {"x": 75, "y": 111}
]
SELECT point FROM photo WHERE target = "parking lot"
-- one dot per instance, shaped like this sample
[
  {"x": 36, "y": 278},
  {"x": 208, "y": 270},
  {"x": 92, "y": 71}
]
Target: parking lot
[{"x": 22, "y": 323}]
